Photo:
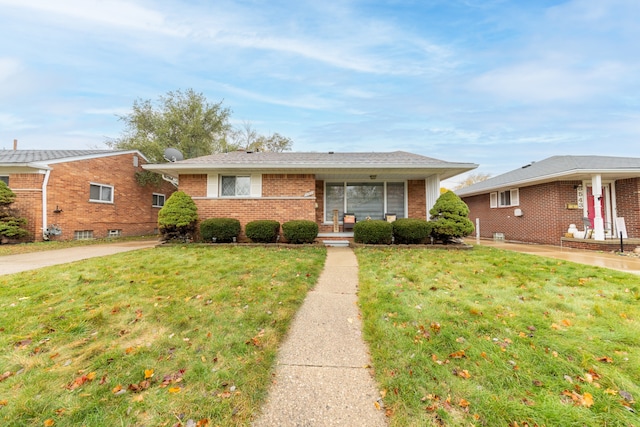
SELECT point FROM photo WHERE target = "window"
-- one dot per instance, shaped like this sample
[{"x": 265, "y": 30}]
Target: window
[
  {"x": 5, "y": 179},
  {"x": 158, "y": 200},
  {"x": 101, "y": 193},
  {"x": 83, "y": 234},
  {"x": 504, "y": 198},
  {"x": 114, "y": 233},
  {"x": 233, "y": 186},
  {"x": 364, "y": 199}
]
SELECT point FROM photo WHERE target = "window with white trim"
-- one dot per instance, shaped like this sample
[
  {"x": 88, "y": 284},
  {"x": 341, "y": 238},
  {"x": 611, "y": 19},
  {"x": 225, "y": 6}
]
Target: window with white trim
[
  {"x": 235, "y": 186},
  {"x": 5, "y": 179},
  {"x": 505, "y": 198},
  {"x": 100, "y": 193},
  {"x": 158, "y": 200}
]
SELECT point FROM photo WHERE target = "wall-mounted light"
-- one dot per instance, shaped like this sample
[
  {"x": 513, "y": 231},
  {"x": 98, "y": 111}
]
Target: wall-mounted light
[
  {"x": 373, "y": 176},
  {"x": 57, "y": 210}
]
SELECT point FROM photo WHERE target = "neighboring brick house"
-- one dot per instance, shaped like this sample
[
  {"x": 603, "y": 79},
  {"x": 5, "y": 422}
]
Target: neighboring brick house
[
  {"x": 82, "y": 194},
  {"x": 289, "y": 186},
  {"x": 538, "y": 202}
]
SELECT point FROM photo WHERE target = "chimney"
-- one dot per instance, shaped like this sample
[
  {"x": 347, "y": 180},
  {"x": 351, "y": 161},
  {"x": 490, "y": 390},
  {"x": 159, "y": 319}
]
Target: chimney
[{"x": 15, "y": 144}]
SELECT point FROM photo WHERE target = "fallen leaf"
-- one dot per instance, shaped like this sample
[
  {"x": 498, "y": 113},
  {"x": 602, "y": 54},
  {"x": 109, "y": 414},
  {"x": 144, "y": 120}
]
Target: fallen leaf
[
  {"x": 605, "y": 359},
  {"x": 626, "y": 396},
  {"x": 5, "y": 376},
  {"x": 138, "y": 398},
  {"x": 177, "y": 390},
  {"x": 4, "y": 402},
  {"x": 566, "y": 322},
  {"x": 116, "y": 389},
  {"x": 464, "y": 403},
  {"x": 457, "y": 355},
  {"x": 377, "y": 405},
  {"x": 49, "y": 423},
  {"x": 587, "y": 400},
  {"x": 148, "y": 373}
]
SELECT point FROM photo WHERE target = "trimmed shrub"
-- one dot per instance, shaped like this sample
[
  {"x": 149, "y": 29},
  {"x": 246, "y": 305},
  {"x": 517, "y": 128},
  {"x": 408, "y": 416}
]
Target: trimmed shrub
[
  {"x": 411, "y": 231},
  {"x": 373, "y": 232},
  {"x": 300, "y": 231},
  {"x": 262, "y": 231},
  {"x": 450, "y": 218},
  {"x": 178, "y": 217},
  {"x": 222, "y": 229}
]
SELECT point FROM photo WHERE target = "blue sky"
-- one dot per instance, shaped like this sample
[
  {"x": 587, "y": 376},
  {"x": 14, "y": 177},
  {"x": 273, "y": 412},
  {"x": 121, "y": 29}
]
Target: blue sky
[{"x": 495, "y": 82}]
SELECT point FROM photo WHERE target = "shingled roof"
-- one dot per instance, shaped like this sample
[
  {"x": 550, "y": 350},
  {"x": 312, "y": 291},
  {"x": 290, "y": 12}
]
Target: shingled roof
[
  {"x": 328, "y": 162},
  {"x": 29, "y": 157},
  {"x": 558, "y": 168}
]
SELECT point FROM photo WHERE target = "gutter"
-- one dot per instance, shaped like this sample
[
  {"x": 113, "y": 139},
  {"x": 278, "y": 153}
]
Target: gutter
[{"x": 45, "y": 182}]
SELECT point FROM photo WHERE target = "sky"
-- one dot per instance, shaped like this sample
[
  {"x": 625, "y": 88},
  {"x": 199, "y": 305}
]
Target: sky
[{"x": 500, "y": 83}]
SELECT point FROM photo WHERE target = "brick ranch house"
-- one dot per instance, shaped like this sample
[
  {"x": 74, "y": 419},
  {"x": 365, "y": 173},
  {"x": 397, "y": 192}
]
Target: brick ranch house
[
  {"x": 82, "y": 194},
  {"x": 538, "y": 202},
  {"x": 312, "y": 186}
]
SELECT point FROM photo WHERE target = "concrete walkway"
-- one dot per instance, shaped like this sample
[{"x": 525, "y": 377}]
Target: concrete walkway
[
  {"x": 628, "y": 264},
  {"x": 10, "y": 264},
  {"x": 322, "y": 378}
]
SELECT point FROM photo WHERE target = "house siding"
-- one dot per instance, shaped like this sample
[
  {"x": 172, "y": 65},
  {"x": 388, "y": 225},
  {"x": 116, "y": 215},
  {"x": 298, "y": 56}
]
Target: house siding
[
  {"x": 545, "y": 216},
  {"x": 68, "y": 189}
]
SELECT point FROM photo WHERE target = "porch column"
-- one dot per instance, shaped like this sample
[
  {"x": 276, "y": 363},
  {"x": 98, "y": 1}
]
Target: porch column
[
  {"x": 598, "y": 221},
  {"x": 432, "y": 191}
]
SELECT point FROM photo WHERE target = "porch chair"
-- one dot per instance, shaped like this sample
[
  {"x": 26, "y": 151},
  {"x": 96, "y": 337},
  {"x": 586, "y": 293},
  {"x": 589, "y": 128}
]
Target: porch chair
[{"x": 348, "y": 221}]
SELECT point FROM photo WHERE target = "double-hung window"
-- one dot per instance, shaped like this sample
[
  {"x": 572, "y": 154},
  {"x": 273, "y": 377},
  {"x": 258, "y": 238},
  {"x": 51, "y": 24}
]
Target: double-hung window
[
  {"x": 505, "y": 198},
  {"x": 5, "y": 179},
  {"x": 234, "y": 186},
  {"x": 100, "y": 193},
  {"x": 158, "y": 200}
]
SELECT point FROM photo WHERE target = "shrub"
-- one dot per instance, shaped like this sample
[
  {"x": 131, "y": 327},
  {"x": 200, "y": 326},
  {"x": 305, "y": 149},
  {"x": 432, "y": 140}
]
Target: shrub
[
  {"x": 178, "y": 217},
  {"x": 300, "y": 231},
  {"x": 411, "y": 231},
  {"x": 373, "y": 232},
  {"x": 222, "y": 229},
  {"x": 10, "y": 224},
  {"x": 450, "y": 218},
  {"x": 263, "y": 231}
]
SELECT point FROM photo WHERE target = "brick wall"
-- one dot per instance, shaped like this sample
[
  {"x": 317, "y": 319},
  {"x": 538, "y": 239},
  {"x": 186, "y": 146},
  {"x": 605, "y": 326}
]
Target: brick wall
[
  {"x": 417, "y": 199},
  {"x": 68, "y": 189},
  {"x": 545, "y": 214},
  {"x": 628, "y": 204}
]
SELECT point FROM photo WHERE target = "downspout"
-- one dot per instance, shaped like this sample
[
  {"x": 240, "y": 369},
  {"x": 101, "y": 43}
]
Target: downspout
[{"x": 45, "y": 182}]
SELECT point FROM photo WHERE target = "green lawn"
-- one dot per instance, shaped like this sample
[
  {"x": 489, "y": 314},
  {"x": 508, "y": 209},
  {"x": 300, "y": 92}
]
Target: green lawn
[
  {"x": 486, "y": 337},
  {"x": 151, "y": 337}
]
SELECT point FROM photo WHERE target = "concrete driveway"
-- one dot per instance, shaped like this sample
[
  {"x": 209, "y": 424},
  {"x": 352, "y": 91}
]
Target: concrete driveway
[{"x": 10, "y": 264}]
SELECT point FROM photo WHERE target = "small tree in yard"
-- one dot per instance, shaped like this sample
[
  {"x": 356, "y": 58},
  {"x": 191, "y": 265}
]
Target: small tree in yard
[
  {"x": 178, "y": 217},
  {"x": 450, "y": 218},
  {"x": 10, "y": 224}
]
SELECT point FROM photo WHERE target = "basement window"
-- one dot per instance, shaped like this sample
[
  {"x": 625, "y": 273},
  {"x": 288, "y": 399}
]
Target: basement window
[{"x": 83, "y": 234}]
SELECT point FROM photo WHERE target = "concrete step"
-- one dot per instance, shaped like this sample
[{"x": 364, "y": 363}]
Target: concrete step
[{"x": 336, "y": 243}]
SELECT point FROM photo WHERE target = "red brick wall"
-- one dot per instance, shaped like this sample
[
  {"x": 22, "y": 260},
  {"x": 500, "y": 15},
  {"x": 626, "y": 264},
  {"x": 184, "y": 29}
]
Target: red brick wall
[
  {"x": 194, "y": 185},
  {"x": 287, "y": 185},
  {"x": 628, "y": 203},
  {"x": 28, "y": 190},
  {"x": 417, "y": 199},
  {"x": 545, "y": 214},
  {"x": 68, "y": 189}
]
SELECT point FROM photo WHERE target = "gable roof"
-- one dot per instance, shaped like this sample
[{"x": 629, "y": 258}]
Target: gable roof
[
  {"x": 558, "y": 168},
  {"x": 321, "y": 164},
  {"x": 39, "y": 159}
]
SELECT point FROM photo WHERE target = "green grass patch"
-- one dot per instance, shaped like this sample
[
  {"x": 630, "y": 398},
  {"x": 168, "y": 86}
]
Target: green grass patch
[
  {"x": 493, "y": 338},
  {"x": 150, "y": 337}
]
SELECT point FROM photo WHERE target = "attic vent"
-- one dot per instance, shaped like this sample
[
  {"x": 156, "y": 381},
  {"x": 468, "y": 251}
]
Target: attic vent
[
  {"x": 526, "y": 166},
  {"x": 330, "y": 152}
]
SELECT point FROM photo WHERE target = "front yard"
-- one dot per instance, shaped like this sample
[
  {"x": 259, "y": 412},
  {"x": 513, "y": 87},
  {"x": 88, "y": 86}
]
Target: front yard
[
  {"x": 187, "y": 335},
  {"x": 153, "y": 337},
  {"x": 495, "y": 338}
]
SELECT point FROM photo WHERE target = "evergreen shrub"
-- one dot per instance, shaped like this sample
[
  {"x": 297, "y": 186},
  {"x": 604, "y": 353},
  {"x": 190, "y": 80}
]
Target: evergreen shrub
[
  {"x": 222, "y": 229},
  {"x": 262, "y": 231},
  {"x": 411, "y": 231},
  {"x": 300, "y": 231},
  {"x": 450, "y": 218},
  {"x": 373, "y": 232},
  {"x": 178, "y": 217}
]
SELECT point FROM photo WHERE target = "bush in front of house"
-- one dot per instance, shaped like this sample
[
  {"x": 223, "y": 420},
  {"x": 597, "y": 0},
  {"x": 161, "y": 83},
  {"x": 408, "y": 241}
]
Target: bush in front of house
[
  {"x": 373, "y": 232},
  {"x": 262, "y": 231},
  {"x": 411, "y": 231},
  {"x": 300, "y": 231},
  {"x": 450, "y": 218},
  {"x": 10, "y": 223},
  {"x": 223, "y": 230},
  {"x": 178, "y": 217}
]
